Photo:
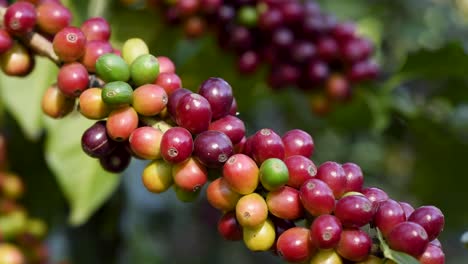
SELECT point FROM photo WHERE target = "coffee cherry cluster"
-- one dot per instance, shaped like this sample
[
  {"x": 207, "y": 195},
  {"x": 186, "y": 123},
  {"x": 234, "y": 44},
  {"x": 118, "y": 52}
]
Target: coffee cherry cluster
[
  {"x": 272, "y": 195},
  {"x": 302, "y": 46},
  {"x": 21, "y": 236}
]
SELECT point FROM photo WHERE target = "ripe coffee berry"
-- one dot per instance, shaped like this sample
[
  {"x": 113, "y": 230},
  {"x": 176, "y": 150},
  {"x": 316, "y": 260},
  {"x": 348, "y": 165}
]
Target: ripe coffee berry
[
  {"x": 266, "y": 144},
  {"x": 325, "y": 231},
  {"x": 73, "y": 79},
  {"x": 285, "y": 203},
  {"x": 69, "y": 44},
  {"x": 316, "y": 197},
  {"x": 52, "y": 17},
  {"x": 121, "y": 123},
  {"x": 300, "y": 170},
  {"x": 93, "y": 50},
  {"x": 91, "y": 104},
  {"x": 168, "y": 80},
  {"x": 294, "y": 245},
  {"x": 189, "y": 175},
  {"x": 354, "y": 211},
  {"x": 354, "y": 245},
  {"x": 375, "y": 195},
  {"x": 219, "y": 94},
  {"x": 193, "y": 112},
  {"x": 408, "y": 237},
  {"x": 220, "y": 195},
  {"x": 176, "y": 145},
  {"x": 145, "y": 142},
  {"x": 212, "y": 148},
  {"x": 20, "y": 18},
  {"x": 230, "y": 125},
  {"x": 96, "y": 28},
  {"x": 6, "y": 42},
  {"x": 432, "y": 255},
  {"x": 388, "y": 215},
  {"x": 149, "y": 99},
  {"x": 298, "y": 142},
  {"x": 95, "y": 142},
  {"x": 116, "y": 161},
  {"x": 354, "y": 177},
  {"x": 229, "y": 228},
  {"x": 333, "y": 174},
  {"x": 430, "y": 218}
]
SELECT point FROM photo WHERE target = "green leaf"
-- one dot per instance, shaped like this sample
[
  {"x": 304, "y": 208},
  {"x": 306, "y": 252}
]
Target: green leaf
[
  {"x": 448, "y": 62},
  {"x": 398, "y": 257},
  {"x": 84, "y": 183},
  {"x": 22, "y": 96}
]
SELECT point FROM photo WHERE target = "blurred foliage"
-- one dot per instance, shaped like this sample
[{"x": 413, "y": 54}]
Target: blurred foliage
[{"x": 408, "y": 131}]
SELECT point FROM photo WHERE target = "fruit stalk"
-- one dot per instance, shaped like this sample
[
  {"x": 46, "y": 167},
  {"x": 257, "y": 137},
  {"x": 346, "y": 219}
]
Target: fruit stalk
[{"x": 38, "y": 43}]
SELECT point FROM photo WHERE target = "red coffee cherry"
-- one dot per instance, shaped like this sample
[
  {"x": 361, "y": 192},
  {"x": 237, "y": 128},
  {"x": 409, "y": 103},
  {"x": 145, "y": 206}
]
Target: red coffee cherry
[
  {"x": 334, "y": 176},
  {"x": 325, "y": 231},
  {"x": 72, "y": 79},
  {"x": 93, "y": 50},
  {"x": 354, "y": 245},
  {"x": 6, "y": 42},
  {"x": 52, "y": 17},
  {"x": 96, "y": 28},
  {"x": 298, "y": 142},
  {"x": 408, "y": 237},
  {"x": 69, "y": 44},
  {"x": 294, "y": 245},
  {"x": 176, "y": 145},
  {"x": 317, "y": 197},
  {"x": 20, "y": 18}
]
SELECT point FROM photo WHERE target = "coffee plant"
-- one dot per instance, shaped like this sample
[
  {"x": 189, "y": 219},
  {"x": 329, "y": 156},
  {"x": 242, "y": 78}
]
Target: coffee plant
[{"x": 264, "y": 187}]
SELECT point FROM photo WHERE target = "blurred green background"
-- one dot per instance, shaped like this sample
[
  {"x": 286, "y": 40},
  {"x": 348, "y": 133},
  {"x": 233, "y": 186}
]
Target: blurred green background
[{"x": 408, "y": 131}]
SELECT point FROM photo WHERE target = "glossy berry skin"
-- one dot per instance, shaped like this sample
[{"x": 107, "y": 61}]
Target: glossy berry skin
[
  {"x": 157, "y": 176},
  {"x": 168, "y": 80},
  {"x": 165, "y": 65},
  {"x": 266, "y": 144},
  {"x": 354, "y": 245},
  {"x": 375, "y": 195},
  {"x": 229, "y": 227},
  {"x": 273, "y": 174},
  {"x": 72, "y": 79},
  {"x": 408, "y": 237},
  {"x": 241, "y": 172},
  {"x": 220, "y": 195},
  {"x": 327, "y": 257},
  {"x": 91, "y": 104},
  {"x": 388, "y": 215},
  {"x": 408, "y": 208},
  {"x": 259, "y": 238},
  {"x": 285, "y": 203},
  {"x": 176, "y": 145},
  {"x": 149, "y": 99},
  {"x": 6, "y": 42},
  {"x": 121, "y": 123},
  {"x": 93, "y": 50},
  {"x": 333, "y": 174},
  {"x": 95, "y": 142},
  {"x": 300, "y": 170},
  {"x": 174, "y": 99},
  {"x": 20, "y": 18},
  {"x": 316, "y": 197},
  {"x": 96, "y": 28},
  {"x": 230, "y": 125},
  {"x": 294, "y": 245},
  {"x": 117, "y": 161},
  {"x": 212, "y": 148},
  {"x": 52, "y": 17},
  {"x": 430, "y": 218},
  {"x": 432, "y": 255},
  {"x": 145, "y": 142},
  {"x": 17, "y": 61},
  {"x": 193, "y": 112},
  {"x": 189, "y": 175},
  {"x": 354, "y": 177},
  {"x": 251, "y": 210},
  {"x": 69, "y": 44},
  {"x": 325, "y": 231},
  {"x": 219, "y": 94},
  {"x": 354, "y": 211},
  {"x": 297, "y": 142},
  {"x": 55, "y": 104}
]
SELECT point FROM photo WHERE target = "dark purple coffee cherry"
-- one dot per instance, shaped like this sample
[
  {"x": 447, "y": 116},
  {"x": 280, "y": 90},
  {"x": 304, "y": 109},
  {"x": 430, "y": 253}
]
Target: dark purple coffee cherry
[
  {"x": 230, "y": 125},
  {"x": 95, "y": 142},
  {"x": 212, "y": 148},
  {"x": 219, "y": 94},
  {"x": 117, "y": 161},
  {"x": 174, "y": 100},
  {"x": 193, "y": 112}
]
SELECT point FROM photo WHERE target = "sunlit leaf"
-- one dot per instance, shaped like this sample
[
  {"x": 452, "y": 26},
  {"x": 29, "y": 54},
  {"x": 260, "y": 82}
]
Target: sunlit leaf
[
  {"x": 84, "y": 183},
  {"x": 22, "y": 95}
]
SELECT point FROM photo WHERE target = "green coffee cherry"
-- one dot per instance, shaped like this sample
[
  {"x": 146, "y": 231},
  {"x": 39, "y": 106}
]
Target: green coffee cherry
[
  {"x": 144, "y": 69},
  {"x": 133, "y": 48},
  {"x": 115, "y": 93},
  {"x": 273, "y": 174},
  {"x": 111, "y": 67}
]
